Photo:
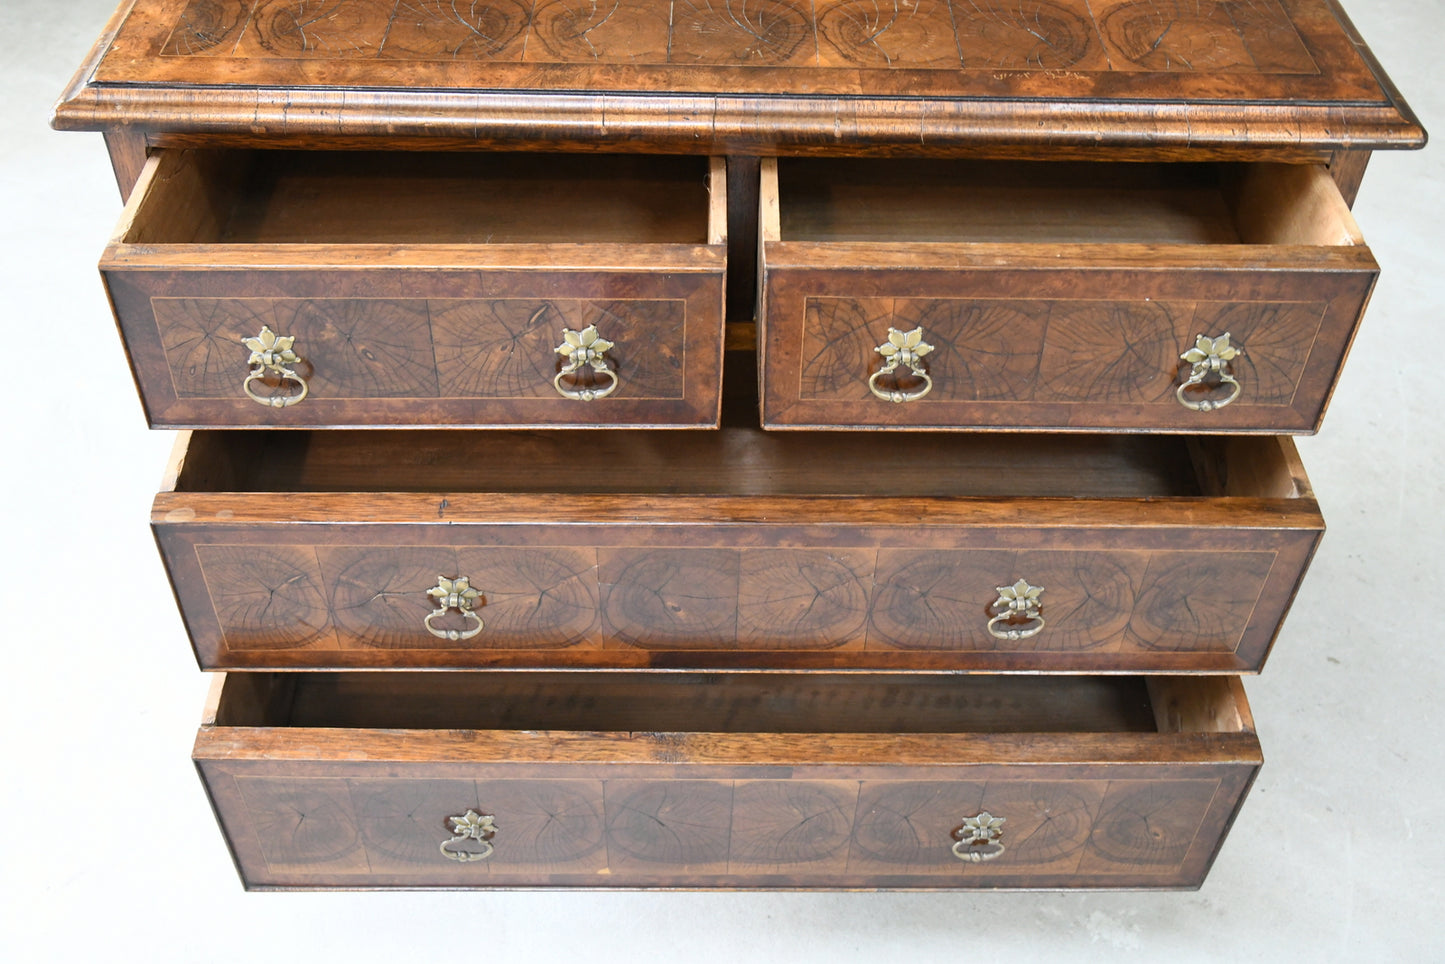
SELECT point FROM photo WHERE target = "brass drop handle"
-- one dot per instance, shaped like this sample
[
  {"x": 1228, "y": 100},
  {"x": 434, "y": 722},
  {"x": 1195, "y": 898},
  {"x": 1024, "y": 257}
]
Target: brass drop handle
[
  {"x": 584, "y": 351},
  {"x": 903, "y": 349},
  {"x": 1209, "y": 360},
  {"x": 479, "y": 828},
  {"x": 1017, "y": 612},
  {"x": 272, "y": 354},
  {"x": 978, "y": 838},
  {"x": 452, "y": 594}
]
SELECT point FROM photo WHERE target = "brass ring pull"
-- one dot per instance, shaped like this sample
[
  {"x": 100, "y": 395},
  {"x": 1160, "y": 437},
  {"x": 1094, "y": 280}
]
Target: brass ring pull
[
  {"x": 271, "y": 354},
  {"x": 472, "y": 826},
  {"x": 1209, "y": 358},
  {"x": 1021, "y": 615},
  {"x": 584, "y": 349},
  {"x": 903, "y": 349},
  {"x": 978, "y": 838},
  {"x": 452, "y": 594}
]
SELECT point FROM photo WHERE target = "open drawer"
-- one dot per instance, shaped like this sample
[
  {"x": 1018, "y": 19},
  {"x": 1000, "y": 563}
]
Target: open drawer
[
  {"x": 733, "y": 549},
  {"x": 724, "y": 780},
  {"x": 1054, "y": 296},
  {"x": 288, "y": 288}
]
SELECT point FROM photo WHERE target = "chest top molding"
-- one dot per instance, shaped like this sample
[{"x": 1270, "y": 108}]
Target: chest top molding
[{"x": 794, "y": 76}]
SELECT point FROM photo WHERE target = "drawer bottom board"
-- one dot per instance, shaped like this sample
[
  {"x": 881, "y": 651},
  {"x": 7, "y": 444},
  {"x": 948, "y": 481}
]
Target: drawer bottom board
[{"x": 779, "y": 782}]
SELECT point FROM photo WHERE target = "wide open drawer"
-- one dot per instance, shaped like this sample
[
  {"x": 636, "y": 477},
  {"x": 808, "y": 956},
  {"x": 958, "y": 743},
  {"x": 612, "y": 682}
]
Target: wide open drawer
[
  {"x": 1070, "y": 297},
  {"x": 724, "y": 780},
  {"x": 339, "y": 288},
  {"x": 738, "y": 548}
]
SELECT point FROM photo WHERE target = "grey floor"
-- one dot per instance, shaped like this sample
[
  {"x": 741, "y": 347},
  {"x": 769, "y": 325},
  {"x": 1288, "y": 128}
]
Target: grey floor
[{"x": 109, "y": 850}]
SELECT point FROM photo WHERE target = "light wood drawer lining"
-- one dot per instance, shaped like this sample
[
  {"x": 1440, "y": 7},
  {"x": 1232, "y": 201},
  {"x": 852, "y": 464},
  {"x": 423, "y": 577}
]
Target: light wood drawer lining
[
  {"x": 342, "y": 197},
  {"x": 1040, "y": 202},
  {"x": 714, "y": 703},
  {"x": 739, "y": 460}
]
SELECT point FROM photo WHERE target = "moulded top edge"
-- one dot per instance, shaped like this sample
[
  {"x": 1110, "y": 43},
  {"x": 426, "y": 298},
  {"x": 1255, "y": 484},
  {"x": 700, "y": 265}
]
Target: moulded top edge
[{"x": 678, "y": 73}]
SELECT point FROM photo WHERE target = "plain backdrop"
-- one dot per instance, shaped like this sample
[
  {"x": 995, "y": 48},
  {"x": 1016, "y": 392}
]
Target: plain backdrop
[{"x": 108, "y": 851}]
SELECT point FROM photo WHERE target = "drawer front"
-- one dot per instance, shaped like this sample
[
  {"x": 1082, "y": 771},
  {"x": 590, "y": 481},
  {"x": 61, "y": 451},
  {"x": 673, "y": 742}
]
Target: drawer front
[
  {"x": 1106, "y": 355},
  {"x": 562, "y": 797},
  {"x": 305, "y": 307},
  {"x": 795, "y": 590},
  {"x": 1173, "y": 337},
  {"x": 339, "y": 825},
  {"x": 377, "y": 347}
]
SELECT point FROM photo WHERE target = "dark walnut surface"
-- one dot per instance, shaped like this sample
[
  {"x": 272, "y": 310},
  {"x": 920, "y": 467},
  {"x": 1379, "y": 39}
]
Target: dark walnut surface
[{"x": 780, "y": 76}]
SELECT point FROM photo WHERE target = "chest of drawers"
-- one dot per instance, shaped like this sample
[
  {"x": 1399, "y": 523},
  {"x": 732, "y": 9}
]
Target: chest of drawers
[{"x": 424, "y": 285}]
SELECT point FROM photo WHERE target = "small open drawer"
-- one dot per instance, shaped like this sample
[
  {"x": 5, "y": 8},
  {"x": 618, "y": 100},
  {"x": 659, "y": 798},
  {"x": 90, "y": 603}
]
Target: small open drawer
[
  {"x": 1055, "y": 296},
  {"x": 734, "y": 549},
  {"x": 320, "y": 288},
  {"x": 724, "y": 780}
]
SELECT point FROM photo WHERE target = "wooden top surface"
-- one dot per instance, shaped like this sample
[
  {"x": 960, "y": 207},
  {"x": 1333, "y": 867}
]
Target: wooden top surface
[{"x": 811, "y": 76}]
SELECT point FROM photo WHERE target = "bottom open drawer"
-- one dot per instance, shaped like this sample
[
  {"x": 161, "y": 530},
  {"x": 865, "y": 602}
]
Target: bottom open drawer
[{"x": 739, "y": 780}]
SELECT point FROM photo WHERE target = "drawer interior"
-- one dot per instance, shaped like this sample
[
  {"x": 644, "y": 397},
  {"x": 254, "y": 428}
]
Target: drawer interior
[
  {"x": 976, "y": 201},
  {"x": 350, "y": 197},
  {"x": 742, "y": 460},
  {"x": 733, "y": 702}
]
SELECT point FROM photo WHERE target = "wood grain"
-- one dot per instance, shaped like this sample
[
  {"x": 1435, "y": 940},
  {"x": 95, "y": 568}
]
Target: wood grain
[
  {"x": 907, "y": 827},
  {"x": 688, "y": 599},
  {"x": 1213, "y": 707},
  {"x": 1159, "y": 35},
  {"x": 1348, "y": 170},
  {"x": 744, "y": 702},
  {"x": 765, "y": 76},
  {"x": 532, "y": 598},
  {"x": 1147, "y": 823},
  {"x": 548, "y": 824},
  {"x": 737, "y": 545},
  {"x": 1210, "y": 36},
  {"x": 271, "y": 598},
  {"x": 301, "y": 824},
  {"x": 215, "y": 246},
  {"x": 1110, "y": 803},
  {"x": 1056, "y": 296},
  {"x": 127, "y": 157},
  {"x": 790, "y": 826},
  {"x": 433, "y": 304}
]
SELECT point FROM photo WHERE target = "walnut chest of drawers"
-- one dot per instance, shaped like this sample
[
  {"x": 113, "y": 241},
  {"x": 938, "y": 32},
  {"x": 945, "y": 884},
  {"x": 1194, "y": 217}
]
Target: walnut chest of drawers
[{"x": 988, "y": 325}]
